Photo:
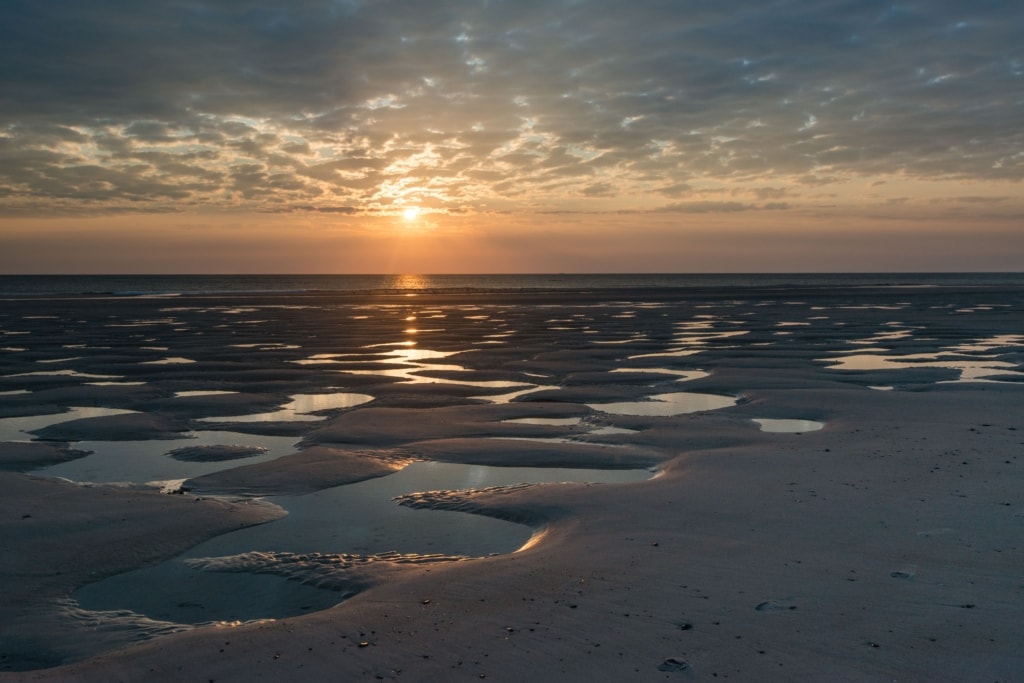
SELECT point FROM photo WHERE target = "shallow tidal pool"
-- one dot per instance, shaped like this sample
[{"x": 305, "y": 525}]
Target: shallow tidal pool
[{"x": 361, "y": 519}]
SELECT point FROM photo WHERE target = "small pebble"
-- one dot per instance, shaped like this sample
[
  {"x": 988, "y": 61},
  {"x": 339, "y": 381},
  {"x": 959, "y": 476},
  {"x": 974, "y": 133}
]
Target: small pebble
[{"x": 673, "y": 664}]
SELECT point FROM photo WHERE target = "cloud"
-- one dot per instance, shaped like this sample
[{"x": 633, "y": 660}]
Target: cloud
[
  {"x": 980, "y": 200},
  {"x": 468, "y": 105},
  {"x": 599, "y": 190},
  {"x": 705, "y": 207},
  {"x": 770, "y": 192},
  {"x": 303, "y": 208}
]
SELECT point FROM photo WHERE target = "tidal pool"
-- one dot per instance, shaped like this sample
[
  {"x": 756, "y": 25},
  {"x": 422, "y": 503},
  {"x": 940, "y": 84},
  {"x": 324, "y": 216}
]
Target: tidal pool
[
  {"x": 300, "y": 407},
  {"x": 63, "y": 373},
  {"x": 358, "y": 519},
  {"x": 144, "y": 462},
  {"x": 675, "y": 403},
  {"x": 588, "y": 430},
  {"x": 683, "y": 375},
  {"x": 971, "y": 370},
  {"x": 509, "y": 397},
  {"x": 788, "y": 426},
  {"x": 413, "y": 362},
  {"x": 553, "y": 421}
]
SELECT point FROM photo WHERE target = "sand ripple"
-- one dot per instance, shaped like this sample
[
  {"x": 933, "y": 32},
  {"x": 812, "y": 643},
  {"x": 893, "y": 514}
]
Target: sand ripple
[
  {"x": 215, "y": 453},
  {"x": 483, "y": 501},
  {"x": 342, "y": 572}
]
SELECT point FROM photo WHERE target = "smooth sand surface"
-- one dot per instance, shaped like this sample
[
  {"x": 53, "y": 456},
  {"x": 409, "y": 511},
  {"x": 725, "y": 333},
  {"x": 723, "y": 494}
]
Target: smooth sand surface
[{"x": 885, "y": 546}]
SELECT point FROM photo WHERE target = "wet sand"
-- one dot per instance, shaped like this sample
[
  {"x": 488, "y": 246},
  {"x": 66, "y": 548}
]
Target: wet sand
[{"x": 885, "y": 545}]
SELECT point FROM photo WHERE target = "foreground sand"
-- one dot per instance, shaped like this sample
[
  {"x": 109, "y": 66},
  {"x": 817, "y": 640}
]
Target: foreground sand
[{"x": 885, "y": 546}]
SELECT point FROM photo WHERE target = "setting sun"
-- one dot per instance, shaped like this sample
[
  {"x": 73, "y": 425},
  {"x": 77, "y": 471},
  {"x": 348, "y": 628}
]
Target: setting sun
[{"x": 411, "y": 213}]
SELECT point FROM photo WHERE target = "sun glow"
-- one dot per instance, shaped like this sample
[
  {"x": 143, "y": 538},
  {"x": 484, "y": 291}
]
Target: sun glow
[{"x": 411, "y": 213}]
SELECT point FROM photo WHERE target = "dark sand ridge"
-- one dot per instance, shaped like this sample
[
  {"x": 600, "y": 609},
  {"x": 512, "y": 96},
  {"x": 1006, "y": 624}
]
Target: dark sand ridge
[
  {"x": 312, "y": 469},
  {"x": 23, "y": 457},
  {"x": 882, "y": 546}
]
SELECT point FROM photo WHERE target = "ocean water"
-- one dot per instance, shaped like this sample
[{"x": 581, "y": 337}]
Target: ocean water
[{"x": 128, "y": 285}]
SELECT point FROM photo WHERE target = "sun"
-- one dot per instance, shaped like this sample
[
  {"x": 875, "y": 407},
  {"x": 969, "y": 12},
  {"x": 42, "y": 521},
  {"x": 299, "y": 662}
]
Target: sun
[{"x": 411, "y": 213}]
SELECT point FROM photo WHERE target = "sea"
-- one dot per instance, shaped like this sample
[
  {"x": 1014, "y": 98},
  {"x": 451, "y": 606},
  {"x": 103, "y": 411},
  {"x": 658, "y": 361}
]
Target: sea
[{"x": 141, "y": 285}]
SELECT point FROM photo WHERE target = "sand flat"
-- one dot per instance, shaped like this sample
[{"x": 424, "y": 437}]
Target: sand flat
[{"x": 883, "y": 546}]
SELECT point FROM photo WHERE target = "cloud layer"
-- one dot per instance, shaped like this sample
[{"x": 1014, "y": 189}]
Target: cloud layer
[{"x": 353, "y": 107}]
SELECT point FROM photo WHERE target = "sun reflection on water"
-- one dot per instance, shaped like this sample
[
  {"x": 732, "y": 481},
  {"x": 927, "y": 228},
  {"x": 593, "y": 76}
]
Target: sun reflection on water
[{"x": 410, "y": 282}]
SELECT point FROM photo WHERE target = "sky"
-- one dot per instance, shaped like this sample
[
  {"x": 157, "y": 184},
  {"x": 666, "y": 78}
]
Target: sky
[{"x": 475, "y": 136}]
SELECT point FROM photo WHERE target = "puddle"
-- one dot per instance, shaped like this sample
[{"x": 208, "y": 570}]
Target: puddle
[
  {"x": 142, "y": 462},
  {"x": 976, "y": 360},
  {"x": 266, "y": 346},
  {"x": 539, "y": 439},
  {"x": 62, "y": 373},
  {"x": 788, "y": 426},
  {"x": 884, "y": 337},
  {"x": 511, "y": 396},
  {"x": 683, "y": 375},
  {"x": 173, "y": 360},
  {"x": 676, "y": 403},
  {"x": 672, "y": 353},
  {"x": 970, "y": 370},
  {"x": 485, "y": 384},
  {"x": 360, "y": 519},
  {"x": 555, "y": 421},
  {"x": 300, "y": 407},
  {"x": 986, "y": 345},
  {"x": 331, "y": 358},
  {"x": 212, "y": 392},
  {"x": 695, "y": 340},
  {"x": 608, "y": 431},
  {"x": 413, "y": 360}
]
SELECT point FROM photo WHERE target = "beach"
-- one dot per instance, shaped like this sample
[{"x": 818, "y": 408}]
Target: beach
[{"x": 828, "y": 482}]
